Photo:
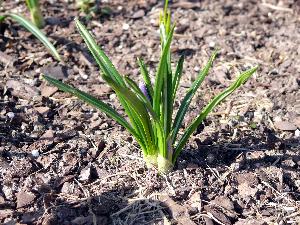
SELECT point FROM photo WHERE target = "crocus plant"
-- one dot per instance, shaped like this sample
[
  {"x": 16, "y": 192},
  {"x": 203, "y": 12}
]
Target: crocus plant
[{"x": 151, "y": 117}]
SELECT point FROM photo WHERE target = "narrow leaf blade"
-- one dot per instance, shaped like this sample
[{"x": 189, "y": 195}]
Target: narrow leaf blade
[
  {"x": 189, "y": 96},
  {"x": 177, "y": 75},
  {"x": 36, "y": 32},
  {"x": 92, "y": 101},
  {"x": 162, "y": 69},
  {"x": 219, "y": 98},
  {"x": 101, "y": 58}
]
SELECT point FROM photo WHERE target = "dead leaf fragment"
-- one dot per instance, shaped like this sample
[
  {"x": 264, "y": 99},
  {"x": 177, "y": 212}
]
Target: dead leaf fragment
[
  {"x": 217, "y": 215},
  {"x": 24, "y": 198},
  {"x": 178, "y": 212},
  {"x": 22, "y": 90},
  {"x": 285, "y": 126}
]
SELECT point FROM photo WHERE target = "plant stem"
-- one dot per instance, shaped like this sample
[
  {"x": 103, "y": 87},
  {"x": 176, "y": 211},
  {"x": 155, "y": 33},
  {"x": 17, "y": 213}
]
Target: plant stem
[
  {"x": 151, "y": 160},
  {"x": 164, "y": 165}
]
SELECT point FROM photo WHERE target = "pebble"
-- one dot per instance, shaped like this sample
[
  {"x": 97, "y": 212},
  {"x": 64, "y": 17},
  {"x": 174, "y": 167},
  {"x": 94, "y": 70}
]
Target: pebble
[
  {"x": 211, "y": 44},
  {"x": 10, "y": 115},
  {"x": 138, "y": 14},
  {"x": 196, "y": 68},
  {"x": 297, "y": 133},
  {"x": 112, "y": 96},
  {"x": 285, "y": 125},
  {"x": 55, "y": 71},
  {"x": 35, "y": 153},
  {"x": 47, "y": 91},
  {"x": 125, "y": 26}
]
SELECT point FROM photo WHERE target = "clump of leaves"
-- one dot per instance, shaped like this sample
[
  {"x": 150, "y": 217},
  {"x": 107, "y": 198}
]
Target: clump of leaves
[
  {"x": 32, "y": 29},
  {"x": 35, "y": 13},
  {"x": 150, "y": 108}
]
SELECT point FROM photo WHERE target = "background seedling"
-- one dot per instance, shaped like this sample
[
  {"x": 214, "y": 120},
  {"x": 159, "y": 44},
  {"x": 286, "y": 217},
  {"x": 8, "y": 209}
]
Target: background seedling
[
  {"x": 32, "y": 29},
  {"x": 35, "y": 13}
]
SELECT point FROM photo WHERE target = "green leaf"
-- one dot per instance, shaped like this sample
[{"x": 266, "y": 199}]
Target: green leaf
[
  {"x": 168, "y": 100},
  {"x": 34, "y": 30},
  {"x": 111, "y": 74},
  {"x": 219, "y": 98},
  {"x": 101, "y": 58},
  {"x": 140, "y": 110},
  {"x": 161, "y": 72},
  {"x": 134, "y": 108},
  {"x": 189, "y": 96},
  {"x": 177, "y": 76},
  {"x": 94, "y": 102},
  {"x": 160, "y": 138}
]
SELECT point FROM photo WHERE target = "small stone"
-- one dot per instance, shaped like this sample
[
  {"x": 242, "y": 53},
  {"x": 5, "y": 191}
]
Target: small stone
[
  {"x": 48, "y": 91},
  {"x": 58, "y": 72},
  {"x": 10, "y": 115},
  {"x": 125, "y": 26},
  {"x": 224, "y": 202},
  {"x": 67, "y": 188},
  {"x": 285, "y": 126},
  {"x": 297, "y": 133},
  {"x": 138, "y": 14},
  {"x": 48, "y": 137},
  {"x": 195, "y": 201},
  {"x": 35, "y": 153},
  {"x": 42, "y": 110},
  {"x": 112, "y": 96},
  {"x": 7, "y": 191},
  {"x": 24, "y": 199},
  {"x": 197, "y": 68},
  {"x": 211, "y": 44},
  {"x": 85, "y": 174},
  {"x": 84, "y": 76}
]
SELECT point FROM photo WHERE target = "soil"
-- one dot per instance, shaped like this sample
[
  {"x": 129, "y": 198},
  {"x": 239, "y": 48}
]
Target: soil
[{"x": 63, "y": 162}]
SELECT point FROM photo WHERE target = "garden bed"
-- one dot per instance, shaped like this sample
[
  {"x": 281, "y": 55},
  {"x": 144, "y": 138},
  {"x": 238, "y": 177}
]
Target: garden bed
[{"x": 63, "y": 162}]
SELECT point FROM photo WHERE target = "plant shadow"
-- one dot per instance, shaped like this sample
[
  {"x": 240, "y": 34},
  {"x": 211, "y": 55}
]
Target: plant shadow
[
  {"x": 259, "y": 150},
  {"x": 109, "y": 207}
]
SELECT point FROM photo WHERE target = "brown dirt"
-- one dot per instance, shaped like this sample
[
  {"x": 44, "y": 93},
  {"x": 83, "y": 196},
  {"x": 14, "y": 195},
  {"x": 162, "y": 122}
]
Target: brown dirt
[{"x": 243, "y": 168}]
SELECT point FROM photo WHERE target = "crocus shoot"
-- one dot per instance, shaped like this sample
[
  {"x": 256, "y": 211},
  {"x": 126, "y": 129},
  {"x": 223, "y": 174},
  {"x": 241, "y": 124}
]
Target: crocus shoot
[
  {"x": 33, "y": 30},
  {"x": 35, "y": 13},
  {"x": 152, "y": 119}
]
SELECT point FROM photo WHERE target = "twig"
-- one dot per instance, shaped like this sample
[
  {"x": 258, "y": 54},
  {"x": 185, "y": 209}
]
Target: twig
[{"x": 275, "y": 7}]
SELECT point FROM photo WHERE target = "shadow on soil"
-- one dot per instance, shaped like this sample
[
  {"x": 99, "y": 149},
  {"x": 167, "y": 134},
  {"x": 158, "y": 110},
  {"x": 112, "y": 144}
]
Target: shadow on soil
[
  {"x": 107, "y": 208},
  {"x": 214, "y": 152}
]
